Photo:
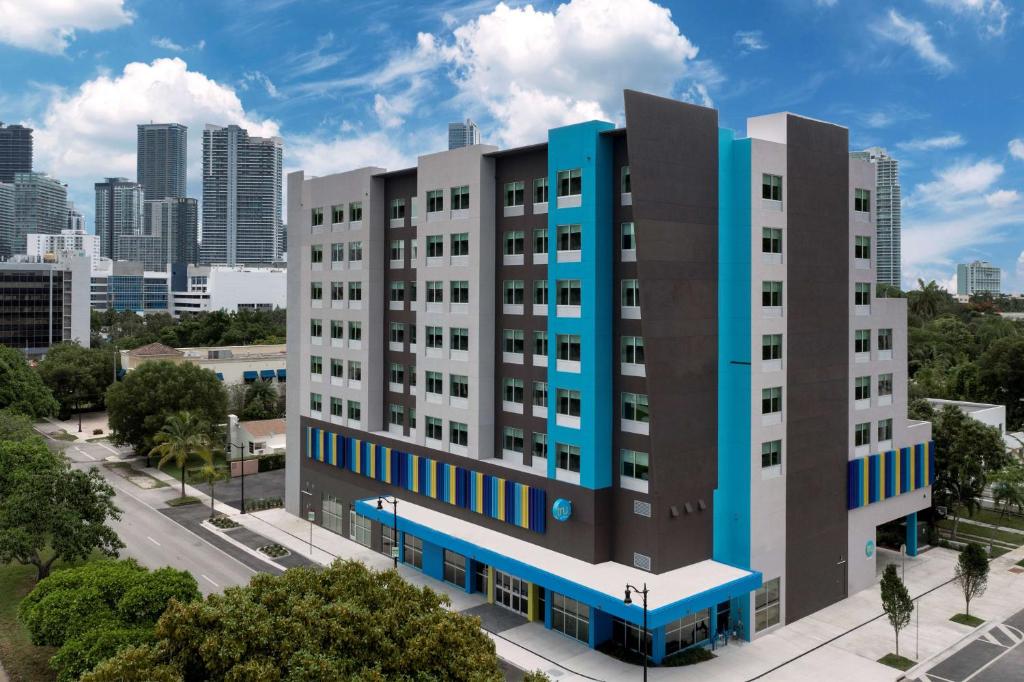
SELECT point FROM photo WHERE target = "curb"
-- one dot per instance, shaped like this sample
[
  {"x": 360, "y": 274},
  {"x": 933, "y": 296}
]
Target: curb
[{"x": 254, "y": 552}]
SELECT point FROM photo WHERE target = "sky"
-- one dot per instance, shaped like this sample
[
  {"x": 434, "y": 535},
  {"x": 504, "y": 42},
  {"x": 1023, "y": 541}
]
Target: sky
[{"x": 348, "y": 84}]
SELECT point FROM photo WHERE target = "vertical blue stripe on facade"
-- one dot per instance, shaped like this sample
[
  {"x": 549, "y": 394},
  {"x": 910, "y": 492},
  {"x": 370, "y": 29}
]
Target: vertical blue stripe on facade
[{"x": 582, "y": 146}]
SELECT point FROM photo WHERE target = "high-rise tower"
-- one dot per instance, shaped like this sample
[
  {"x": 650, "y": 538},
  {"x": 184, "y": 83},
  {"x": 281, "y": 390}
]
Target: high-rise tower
[
  {"x": 889, "y": 217},
  {"x": 161, "y": 159}
]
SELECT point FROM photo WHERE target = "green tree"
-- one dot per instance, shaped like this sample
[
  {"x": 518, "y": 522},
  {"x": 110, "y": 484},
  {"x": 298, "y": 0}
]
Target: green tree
[
  {"x": 140, "y": 403},
  {"x": 92, "y": 611},
  {"x": 896, "y": 602},
  {"x": 211, "y": 475},
  {"x": 77, "y": 376},
  {"x": 344, "y": 622},
  {"x": 21, "y": 389},
  {"x": 1008, "y": 488},
  {"x": 49, "y": 511},
  {"x": 971, "y": 573},
  {"x": 926, "y": 300},
  {"x": 15, "y": 426},
  {"x": 261, "y": 402},
  {"x": 183, "y": 437},
  {"x": 1001, "y": 377}
]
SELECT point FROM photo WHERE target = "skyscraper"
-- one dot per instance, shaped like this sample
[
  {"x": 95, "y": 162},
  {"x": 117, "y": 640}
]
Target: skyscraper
[
  {"x": 15, "y": 151},
  {"x": 888, "y": 215},
  {"x": 40, "y": 207},
  {"x": 118, "y": 213},
  {"x": 175, "y": 221},
  {"x": 463, "y": 134},
  {"x": 76, "y": 221},
  {"x": 6, "y": 219},
  {"x": 241, "y": 196},
  {"x": 161, "y": 159},
  {"x": 979, "y": 277}
]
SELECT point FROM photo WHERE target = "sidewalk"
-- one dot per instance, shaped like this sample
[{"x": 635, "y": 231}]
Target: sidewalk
[{"x": 90, "y": 422}]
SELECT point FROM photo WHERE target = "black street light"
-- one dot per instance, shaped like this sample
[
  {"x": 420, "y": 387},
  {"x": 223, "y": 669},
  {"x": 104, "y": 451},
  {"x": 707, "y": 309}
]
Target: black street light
[
  {"x": 393, "y": 501},
  {"x": 643, "y": 637},
  {"x": 241, "y": 452}
]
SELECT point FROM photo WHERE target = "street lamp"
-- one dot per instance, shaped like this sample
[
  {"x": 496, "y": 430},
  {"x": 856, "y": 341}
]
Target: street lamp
[
  {"x": 393, "y": 501},
  {"x": 643, "y": 637},
  {"x": 241, "y": 452}
]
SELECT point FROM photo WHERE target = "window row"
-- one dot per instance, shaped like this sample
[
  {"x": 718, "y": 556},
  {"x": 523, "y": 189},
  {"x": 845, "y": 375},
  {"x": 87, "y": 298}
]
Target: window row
[
  {"x": 569, "y": 292},
  {"x": 355, "y": 213},
  {"x": 338, "y": 328},
  {"x": 569, "y": 239},
  {"x": 862, "y": 340},
  {"x": 355, "y": 252},
  {"x": 337, "y": 368},
  {"x": 862, "y": 387},
  {"x": 459, "y": 197},
  {"x": 350, "y": 409},
  {"x": 862, "y": 433}
]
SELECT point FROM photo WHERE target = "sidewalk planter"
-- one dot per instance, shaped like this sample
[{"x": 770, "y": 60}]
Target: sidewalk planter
[{"x": 274, "y": 551}]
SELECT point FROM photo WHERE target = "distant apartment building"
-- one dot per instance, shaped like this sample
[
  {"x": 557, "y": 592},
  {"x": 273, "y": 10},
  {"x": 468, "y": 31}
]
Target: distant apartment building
[
  {"x": 6, "y": 220},
  {"x": 40, "y": 207},
  {"x": 463, "y": 134},
  {"x": 241, "y": 197},
  {"x": 15, "y": 151},
  {"x": 207, "y": 288},
  {"x": 475, "y": 339},
  {"x": 118, "y": 214},
  {"x": 176, "y": 222},
  {"x": 59, "y": 247},
  {"x": 162, "y": 160},
  {"x": 76, "y": 220},
  {"x": 128, "y": 286},
  {"x": 42, "y": 304},
  {"x": 978, "y": 277},
  {"x": 888, "y": 220}
]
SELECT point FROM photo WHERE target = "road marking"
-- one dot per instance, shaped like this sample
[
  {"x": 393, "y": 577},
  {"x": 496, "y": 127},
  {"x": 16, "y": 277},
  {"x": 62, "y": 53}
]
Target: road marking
[
  {"x": 104, "y": 445},
  {"x": 83, "y": 452},
  {"x": 208, "y": 578},
  {"x": 153, "y": 541}
]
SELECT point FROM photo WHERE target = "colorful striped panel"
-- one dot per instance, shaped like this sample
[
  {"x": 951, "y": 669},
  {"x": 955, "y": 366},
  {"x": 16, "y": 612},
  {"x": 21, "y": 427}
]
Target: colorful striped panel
[
  {"x": 878, "y": 477},
  {"x": 516, "y": 503}
]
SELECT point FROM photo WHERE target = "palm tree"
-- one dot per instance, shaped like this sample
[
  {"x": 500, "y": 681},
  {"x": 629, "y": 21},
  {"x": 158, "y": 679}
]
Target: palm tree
[
  {"x": 211, "y": 475},
  {"x": 260, "y": 401},
  {"x": 926, "y": 300},
  {"x": 182, "y": 437},
  {"x": 1008, "y": 489}
]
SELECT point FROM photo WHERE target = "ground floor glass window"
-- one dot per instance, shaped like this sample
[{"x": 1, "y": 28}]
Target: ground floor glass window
[
  {"x": 413, "y": 550},
  {"x": 387, "y": 534},
  {"x": 359, "y": 528},
  {"x": 454, "y": 568},
  {"x": 333, "y": 513},
  {"x": 687, "y": 631},
  {"x": 766, "y": 605},
  {"x": 570, "y": 617},
  {"x": 628, "y": 635}
]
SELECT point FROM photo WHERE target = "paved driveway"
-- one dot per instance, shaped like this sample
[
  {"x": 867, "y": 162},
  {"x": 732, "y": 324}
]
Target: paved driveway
[{"x": 997, "y": 655}]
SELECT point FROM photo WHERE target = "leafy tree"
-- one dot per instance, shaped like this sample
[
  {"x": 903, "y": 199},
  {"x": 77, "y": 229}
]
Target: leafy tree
[
  {"x": 971, "y": 573},
  {"x": 896, "y": 602},
  {"x": 920, "y": 409},
  {"x": 1008, "y": 488},
  {"x": 15, "y": 426},
  {"x": 215, "y": 328},
  {"x": 1001, "y": 377},
  {"x": 49, "y": 511},
  {"x": 140, "y": 404},
  {"x": 927, "y": 299},
  {"x": 92, "y": 611},
  {"x": 21, "y": 389},
  {"x": 183, "y": 437},
  {"x": 261, "y": 402},
  {"x": 345, "y": 622},
  {"x": 77, "y": 376}
]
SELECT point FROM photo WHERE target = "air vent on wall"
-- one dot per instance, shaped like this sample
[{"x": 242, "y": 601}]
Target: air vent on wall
[
  {"x": 641, "y": 561},
  {"x": 642, "y": 508}
]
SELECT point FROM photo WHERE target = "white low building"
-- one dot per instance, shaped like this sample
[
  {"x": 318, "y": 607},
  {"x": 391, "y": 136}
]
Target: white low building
[
  {"x": 988, "y": 414},
  {"x": 200, "y": 288}
]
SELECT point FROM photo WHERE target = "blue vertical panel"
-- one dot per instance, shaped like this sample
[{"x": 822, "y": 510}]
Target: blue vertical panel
[
  {"x": 912, "y": 534},
  {"x": 582, "y": 146},
  {"x": 873, "y": 478},
  {"x": 853, "y": 496},
  {"x": 919, "y": 466},
  {"x": 732, "y": 497}
]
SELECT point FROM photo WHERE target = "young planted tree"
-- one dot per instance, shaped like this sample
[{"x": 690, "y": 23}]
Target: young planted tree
[
  {"x": 183, "y": 437},
  {"x": 971, "y": 573},
  {"x": 211, "y": 475},
  {"x": 896, "y": 602}
]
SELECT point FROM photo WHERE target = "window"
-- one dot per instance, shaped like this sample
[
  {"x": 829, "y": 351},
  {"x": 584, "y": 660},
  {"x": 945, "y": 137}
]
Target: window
[
  {"x": 884, "y": 430},
  {"x": 435, "y": 246},
  {"x": 316, "y": 364},
  {"x": 316, "y": 402},
  {"x": 460, "y": 197},
  {"x": 458, "y": 433},
  {"x": 570, "y": 182},
  {"x": 396, "y": 373},
  {"x": 316, "y": 216},
  {"x": 514, "y": 341},
  {"x": 316, "y": 328},
  {"x": 397, "y": 332},
  {"x": 540, "y": 292},
  {"x": 435, "y": 428},
  {"x": 862, "y": 200},
  {"x": 397, "y": 209},
  {"x": 568, "y": 402},
  {"x": 512, "y": 390},
  {"x": 412, "y": 550},
  {"x": 771, "y": 400},
  {"x": 512, "y": 439},
  {"x": 396, "y": 414},
  {"x": 628, "y": 232},
  {"x": 337, "y": 407},
  {"x": 568, "y": 347},
  {"x": 337, "y": 330},
  {"x": 458, "y": 385},
  {"x": 633, "y": 464},
  {"x": 633, "y": 350},
  {"x": 355, "y": 251},
  {"x": 355, "y": 370},
  {"x": 333, "y": 512},
  {"x": 771, "y": 454},
  {"x": 459, "y": 338},
  {"x": 567, "y": 457},
  {"x": 631, "y": 293},
  {"x": 337, "y": 368},
  {"x": 337, "y": 291},
  {"x": 569, "y": 237},
  {"x": 884, "y": 384},
  {"x": 862, "y": 341},
  {"x": 397, "y": 252},
  {"x": 634, "y": 407},
  {"x": 338, "y": 213},
  {"x": 687, "y": 631},
  {"x": 540, "y": 191},
  {"x": 862, "y": 388},
  {"x": 355, "y": 211},
  {"x": 435, "y": 337},
  {"x": 355, "y": 331},
  {"x": 337, "y": 252},
  {"x": 540, "y": 394},
  {"x": 397, "y": 292},
  {"x": 862, "y": 434},
  {"x": 885, "y": 339},
  {"x": 355, "y": 291},
  {"x": 862, "y": 293},
  {"x": 540, "y": 343},
  {"x": 771, "y": 240},
  {"x": 771, "y": 187},
  {"x": 435, "y": 291},
  {"x": 435, "y": 382},
  {"x": 513, "y": 292},
  {"x": 316, "y": 291},
  {"x": 862, "y": 248},
  {"x": 354, "y": 410},
  {"x": 435, "y": 201},
  {"x": 771, "y": 347},
  {"x": 514, "y": 242},
  {"x": 625, "y": 183},
  {"x": 570, "y": 617},
  {"x": 454, "y": 568},
  {"x": 540, "y": 240},
  {"x": 359, "y": 528},
  {"x": 771, "y": 294},
  {"x": 514, "y": 193},
  {"x": 460, "y": 291},
  {"x": 387, "y": 540},
  {"x": 316, "y": 253},
  {"x": 540, "y": 445},
  {"x": 460, "y": 244},
  {"x": 569, "y": 291},
  {"x": 766, "y": 605}
]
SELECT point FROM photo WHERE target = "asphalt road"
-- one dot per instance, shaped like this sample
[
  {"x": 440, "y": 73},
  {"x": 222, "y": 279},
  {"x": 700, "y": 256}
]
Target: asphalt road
[{"x": 995, "y": 656}]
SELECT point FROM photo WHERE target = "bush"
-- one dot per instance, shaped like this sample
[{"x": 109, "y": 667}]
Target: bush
[
  {"x": 274, "y": 550},
  {"x": 182, "y": 501},
  {"x": 224, "y": 523},
  {"x": 97, "y": 432},
  {"x": 262, "y": 503},
  {"x": 271, "y": 462},
  {"x": 696, "y": 654}
]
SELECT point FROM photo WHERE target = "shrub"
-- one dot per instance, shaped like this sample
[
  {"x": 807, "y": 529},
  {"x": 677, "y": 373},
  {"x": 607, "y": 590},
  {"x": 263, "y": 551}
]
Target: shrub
[
  {"x": 97, "y": 432},
  {"x": 262, "y": 503},
  {"x": 690, "y": 656},
  {"x": 271, "y": 462}
]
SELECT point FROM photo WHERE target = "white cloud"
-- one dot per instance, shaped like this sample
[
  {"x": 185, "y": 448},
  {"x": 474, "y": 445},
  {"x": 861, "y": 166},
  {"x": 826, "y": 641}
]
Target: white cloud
[
  {"x": 931, "y": 143},
  {"x": 260, "y": 78},
  {"x": 50, "y": 25},
  {"x": 898, "y": 29},
  {"x": 167, "y": 44},
  {"x": 1002, "y": 198},
  {"x": 826, "y": 3},
  {"x": 750, "y": 41},
  {"x": 991, "y": 14},
  {"x": 317, "y": 156},
  {"x": 1016, "y": 147},
  {"x": 958, "y": 183}
]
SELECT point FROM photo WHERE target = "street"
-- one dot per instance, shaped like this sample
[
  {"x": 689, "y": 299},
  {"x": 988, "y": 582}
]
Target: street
[{"x": 994, "y": 656}]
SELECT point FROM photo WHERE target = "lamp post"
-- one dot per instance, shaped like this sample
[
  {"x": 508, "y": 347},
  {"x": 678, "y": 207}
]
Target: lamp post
[
  {"x": 643, "y": 636},
  {"x": 393, "y": 501},
  {"x": 241, "y": 452}
]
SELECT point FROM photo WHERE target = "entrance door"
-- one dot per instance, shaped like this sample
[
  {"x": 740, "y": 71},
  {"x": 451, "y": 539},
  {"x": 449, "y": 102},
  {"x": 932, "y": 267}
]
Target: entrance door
[{"x": 511, "y": 592}]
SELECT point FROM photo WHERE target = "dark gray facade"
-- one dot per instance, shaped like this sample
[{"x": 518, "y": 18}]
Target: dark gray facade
[
  {"x": 162, "y": 159},
  {"x": 15, "y": 151}
]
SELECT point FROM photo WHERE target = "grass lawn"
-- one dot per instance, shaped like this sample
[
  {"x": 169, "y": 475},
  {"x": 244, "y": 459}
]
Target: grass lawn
[
  {"x": 1016, "y": 539},
  {"x": 171, "y": 469},
  {"x": 993, "y": 517},
  {"x": 1021, "y": 563},
  {"x": 898, "y": 662},
  {"x": 182, "y": 501},
  {"x": 23, "y": 661},
  {"x": 964, "y": 619},
  {"x": 62, "y": 435}
]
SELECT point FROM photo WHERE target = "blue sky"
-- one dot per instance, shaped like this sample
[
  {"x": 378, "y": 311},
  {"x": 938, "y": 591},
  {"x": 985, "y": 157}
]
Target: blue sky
[{"x": 346, "y": 84}]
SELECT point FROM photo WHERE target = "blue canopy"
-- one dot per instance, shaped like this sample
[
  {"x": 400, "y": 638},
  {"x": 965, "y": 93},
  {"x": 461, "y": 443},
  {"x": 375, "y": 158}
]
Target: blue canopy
[
  {"x": 281, "y": 374},
  {"x": 266, "y": 374},
  {"x": 250, "y": 374}
]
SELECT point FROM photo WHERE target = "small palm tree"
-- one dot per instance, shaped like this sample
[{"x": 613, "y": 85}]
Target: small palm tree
[
  {"x": 211, "y": 475},
  {"x": 183, "y": 437}
]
